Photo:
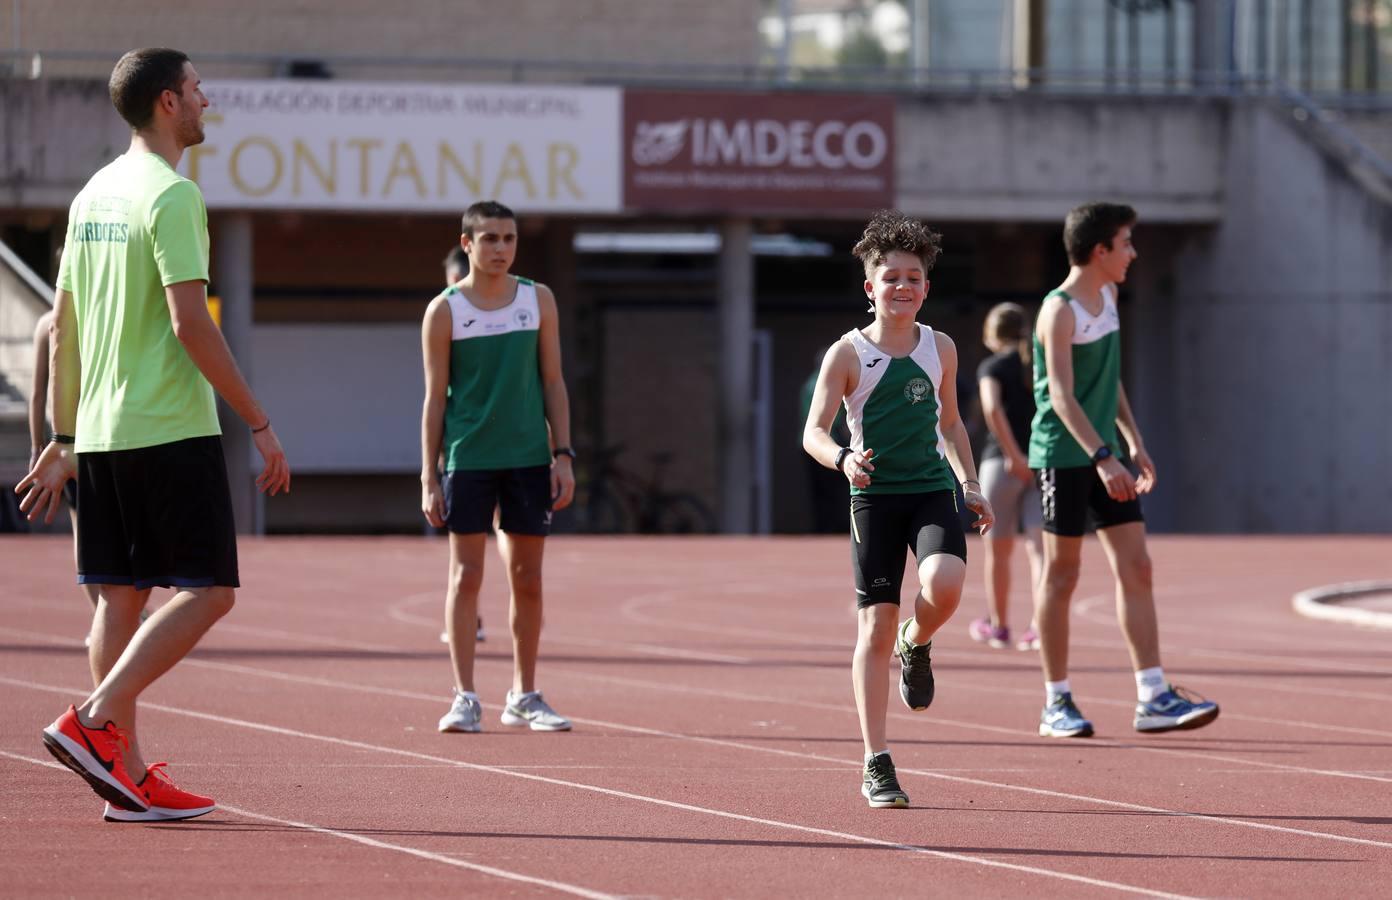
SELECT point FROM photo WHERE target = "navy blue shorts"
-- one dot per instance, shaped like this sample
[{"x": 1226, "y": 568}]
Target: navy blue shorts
[
  {"x": 157, "y": 517},
  {"x": 522, "y": 498},
  {"x": 1074, "y": 499}
]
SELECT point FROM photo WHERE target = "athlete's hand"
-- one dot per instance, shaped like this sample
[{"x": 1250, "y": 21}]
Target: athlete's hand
[
  {"x": 275, "y": 477},
  {"x": 857, "y": 468},
  {"x": 1120, "y": 486},
  {"x": 44, "y": 483},
  {"x": 433, "y": 501},
  {"x": 985, "y": 516},
  {"x": 1146, "y": 482},
  {"x": 1018, "y": 466},
  {"x": 562, "y": 482}
]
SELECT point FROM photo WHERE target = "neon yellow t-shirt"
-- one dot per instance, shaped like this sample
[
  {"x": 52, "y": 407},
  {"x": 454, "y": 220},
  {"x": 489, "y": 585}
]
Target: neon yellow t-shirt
[{"x": 136, "y": 227}]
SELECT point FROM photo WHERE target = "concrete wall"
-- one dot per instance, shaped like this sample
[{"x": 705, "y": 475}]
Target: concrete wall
[
  {"x": 1276, "y": 348},
  {"x": 611, "y": 31},
  {"x": 1030, "y": 158}
]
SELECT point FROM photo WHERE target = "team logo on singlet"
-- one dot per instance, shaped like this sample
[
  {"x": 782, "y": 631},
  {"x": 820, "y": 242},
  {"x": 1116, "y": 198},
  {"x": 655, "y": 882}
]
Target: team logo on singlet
[
  {"x": 524, "y": 318},
  {"x": 917, "y": 390}
]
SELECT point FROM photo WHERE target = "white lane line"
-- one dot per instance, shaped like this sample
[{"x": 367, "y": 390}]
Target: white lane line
[
  {"x": 399, "y": 612},
  {"x": 721, "y": 742},
  {"x": 558, "y": 886},
  {"x": 767, "y": 699},
  {"x": 623, "y": 795}
]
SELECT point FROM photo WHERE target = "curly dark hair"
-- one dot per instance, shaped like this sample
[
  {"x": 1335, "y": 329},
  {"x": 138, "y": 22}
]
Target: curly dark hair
[{"x": 890, "y": 230}]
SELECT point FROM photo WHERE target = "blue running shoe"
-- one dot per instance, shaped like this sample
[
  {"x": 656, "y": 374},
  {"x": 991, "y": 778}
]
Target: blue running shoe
[
  {"x": 1175, "y": 710},
  {"x": 1062, "y": 719}
]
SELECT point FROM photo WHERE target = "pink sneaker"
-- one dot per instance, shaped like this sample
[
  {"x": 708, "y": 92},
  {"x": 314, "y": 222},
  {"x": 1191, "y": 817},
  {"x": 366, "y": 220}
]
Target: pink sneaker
[
  {"x": 1029, "y": 640},
  {"x": 982, "y": 631}
]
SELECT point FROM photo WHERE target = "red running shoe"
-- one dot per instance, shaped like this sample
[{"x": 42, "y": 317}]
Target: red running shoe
[
  {"x": 167, "y": 802},
  {"x": 97, "y": 755}
]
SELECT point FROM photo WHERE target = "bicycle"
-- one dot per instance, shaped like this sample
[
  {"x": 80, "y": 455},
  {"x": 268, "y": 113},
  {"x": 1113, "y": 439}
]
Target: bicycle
[{"x": 618, "y": 501}]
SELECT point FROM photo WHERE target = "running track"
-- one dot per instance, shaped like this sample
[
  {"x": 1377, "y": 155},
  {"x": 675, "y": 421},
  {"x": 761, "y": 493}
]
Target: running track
[{"x": 716, "y": 751}]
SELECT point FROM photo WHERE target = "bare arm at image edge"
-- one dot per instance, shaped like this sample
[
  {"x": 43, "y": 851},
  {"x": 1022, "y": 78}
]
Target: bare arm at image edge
[
  {"x": 555, "y": 396},
  {"x": 435, "y": 356}
]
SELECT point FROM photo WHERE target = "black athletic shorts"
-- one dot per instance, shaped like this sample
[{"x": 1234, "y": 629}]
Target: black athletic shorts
[
  {"x": 1075, "y": 498},
  {"x": 884, "y": 525},
  {"x": 522, "y": 498},
  {"x": 157, "y": 517},
  {"x": 70, "y": 493}
]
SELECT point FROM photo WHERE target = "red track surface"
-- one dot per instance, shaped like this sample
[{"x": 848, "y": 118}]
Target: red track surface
[{"x": 716, "y": 751}]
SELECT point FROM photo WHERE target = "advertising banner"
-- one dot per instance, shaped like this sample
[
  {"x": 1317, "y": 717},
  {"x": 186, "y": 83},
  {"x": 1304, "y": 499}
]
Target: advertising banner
[
  {"x": 752, "y": 152},
  {"x": 289, "y": 144}
]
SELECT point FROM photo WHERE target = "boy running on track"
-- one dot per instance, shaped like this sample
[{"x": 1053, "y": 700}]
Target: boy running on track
[
  {"x": 897, "y": 381},
  {"x": 1074, "y": 449},
  {"x": 493, "y": 387},
  {"x": 135, "y": 361}
]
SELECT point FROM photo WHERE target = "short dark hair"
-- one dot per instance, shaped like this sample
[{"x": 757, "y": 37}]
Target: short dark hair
[
  {"x": 1092, "y": 224},
  {"x": 140, "y": 77},
  {"x": 485, "y": 209},
  {"x": 890, "y": 230},
  {"x": 457, "y": 258}
]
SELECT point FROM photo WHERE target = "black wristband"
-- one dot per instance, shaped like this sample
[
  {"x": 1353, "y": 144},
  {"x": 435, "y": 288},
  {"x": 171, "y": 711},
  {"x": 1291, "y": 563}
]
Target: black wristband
[
  {"x": 63, "y": 439},
  {"x": 841, "y": 456},
  {"x": 563, "y": 451},
  {"x": 262, "y": 428}
]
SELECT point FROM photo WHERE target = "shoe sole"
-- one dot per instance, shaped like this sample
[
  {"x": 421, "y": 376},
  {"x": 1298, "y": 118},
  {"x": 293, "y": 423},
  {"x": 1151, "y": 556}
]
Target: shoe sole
[
  {"x": 460, "y": 729},
  {"x": 896, "y": 803},
  {"x": 512, "y": 721},
  {"x": 76, "y": 758},
  {"x": 155, "y": 814},
  {"x": 1198, "y": 721},
  {"x": 1049, "y": 731}
]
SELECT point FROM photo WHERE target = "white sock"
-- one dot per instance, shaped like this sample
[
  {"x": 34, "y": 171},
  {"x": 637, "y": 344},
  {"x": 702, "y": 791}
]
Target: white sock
[
  {"x": 870, "y": 756},
  {"x": 1053, "y": 689},
  {"x": 469, "y": 694},
  {"x": 1150, "y": 683}
]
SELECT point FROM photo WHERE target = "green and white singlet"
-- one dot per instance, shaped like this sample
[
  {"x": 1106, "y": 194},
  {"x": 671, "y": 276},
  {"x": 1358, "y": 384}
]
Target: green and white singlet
[
  {"x": 894, "y": 411},
  {"x": 495, "y": 415},
  {"x": 1096, "y": 384}
]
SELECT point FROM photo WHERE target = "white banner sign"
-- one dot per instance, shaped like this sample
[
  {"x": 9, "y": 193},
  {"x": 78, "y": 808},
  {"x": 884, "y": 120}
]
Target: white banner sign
[{"x": 393, "y": 146}]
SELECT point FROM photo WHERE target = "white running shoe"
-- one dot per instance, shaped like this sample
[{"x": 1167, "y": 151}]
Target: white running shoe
[
  {"x": 531, "y": 710},
  {"x": 465, "y": 713},
  {"x": 479, "y": 636}
]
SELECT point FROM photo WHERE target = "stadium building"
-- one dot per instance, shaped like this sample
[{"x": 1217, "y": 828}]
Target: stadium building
[{"x": 689, "y": 179}]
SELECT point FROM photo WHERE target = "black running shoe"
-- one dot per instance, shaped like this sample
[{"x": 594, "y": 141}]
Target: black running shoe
[
  {"x": 880, "y": 786},
  {"x": 916, "y": 671}
]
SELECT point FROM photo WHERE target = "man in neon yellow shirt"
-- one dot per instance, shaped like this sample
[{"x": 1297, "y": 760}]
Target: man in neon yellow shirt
[{"x": 135, "y": 360}]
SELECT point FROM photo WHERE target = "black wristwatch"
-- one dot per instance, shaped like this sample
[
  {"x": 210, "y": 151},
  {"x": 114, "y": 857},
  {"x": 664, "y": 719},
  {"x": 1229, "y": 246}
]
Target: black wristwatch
[
  {"x": 563, "y": 451},
  {"x": 1103, "y": 452},
  {"x": 841, "y": 456}
]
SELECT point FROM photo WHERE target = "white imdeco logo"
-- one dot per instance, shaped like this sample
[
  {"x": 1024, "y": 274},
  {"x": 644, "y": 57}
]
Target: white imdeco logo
[{"x": 656, "y": 143}]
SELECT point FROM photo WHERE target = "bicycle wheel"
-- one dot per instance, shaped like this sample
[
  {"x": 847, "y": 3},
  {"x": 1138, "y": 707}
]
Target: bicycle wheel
[
  {"x": 605, "y": 513},
  {"x": 683, "y": 514}
]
